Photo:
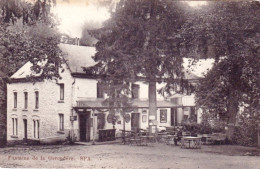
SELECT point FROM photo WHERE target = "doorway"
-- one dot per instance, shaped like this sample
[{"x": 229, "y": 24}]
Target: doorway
[
  {"x": 174, "y": 121},
  {"x": 135, "y": 121},
  {"x": 84, "y": 127},
  {"x": 25, "y": 129}
]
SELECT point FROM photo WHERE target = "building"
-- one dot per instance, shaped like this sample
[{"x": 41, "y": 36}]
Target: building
[{"x": 52, "y": 110}]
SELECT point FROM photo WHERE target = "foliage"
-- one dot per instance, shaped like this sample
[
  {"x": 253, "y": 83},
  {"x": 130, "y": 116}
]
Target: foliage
[
  {"x": 204, "y": 126},
  {"x": 27, "y": 33},
  {"x": 101, "y": 120},
  {"x": 246, "y": 131},
  {"x": 70, "y": 139},
  {"x": 191, "y": 127},
  {"x": 231, "y": 36},
  {"x": 141, "y": 41},
  {"x": 218, "y": 126},
  {"x": 141, "y": 38}
]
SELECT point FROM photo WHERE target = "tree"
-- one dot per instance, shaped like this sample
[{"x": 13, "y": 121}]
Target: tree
[
  {"x": 228, "y": 32},
  {"x": 142, "y": 40},
  {"x": 27, "y": 33}
]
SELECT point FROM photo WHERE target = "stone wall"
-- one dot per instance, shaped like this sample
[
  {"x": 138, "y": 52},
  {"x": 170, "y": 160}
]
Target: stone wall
[{"x": 50, "y": 106}]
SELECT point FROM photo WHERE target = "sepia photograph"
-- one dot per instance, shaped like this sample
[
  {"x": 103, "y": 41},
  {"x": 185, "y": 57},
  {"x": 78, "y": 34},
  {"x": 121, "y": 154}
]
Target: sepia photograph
[{"x": 130, "y": 84}]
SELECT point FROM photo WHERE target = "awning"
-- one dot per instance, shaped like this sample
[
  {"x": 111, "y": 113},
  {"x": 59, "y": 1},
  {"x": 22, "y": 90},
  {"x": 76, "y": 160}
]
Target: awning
[{"x": 137, "y": 103}]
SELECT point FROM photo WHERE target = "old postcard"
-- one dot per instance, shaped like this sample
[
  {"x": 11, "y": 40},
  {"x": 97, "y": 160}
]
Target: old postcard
[{"x": 129, "y": 84}]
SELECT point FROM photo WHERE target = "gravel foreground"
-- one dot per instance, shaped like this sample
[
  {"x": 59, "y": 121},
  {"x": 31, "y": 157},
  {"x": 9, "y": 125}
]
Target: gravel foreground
[{"x": 125, "y": 156}]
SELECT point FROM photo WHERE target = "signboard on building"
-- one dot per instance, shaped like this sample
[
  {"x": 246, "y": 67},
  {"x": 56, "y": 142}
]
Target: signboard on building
[
  {"x": 151, "y": 117},
  {"x": 73, "y": 118}
]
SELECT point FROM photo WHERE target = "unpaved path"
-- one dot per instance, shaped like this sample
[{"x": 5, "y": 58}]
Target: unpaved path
[{"x": 124, "y": 156}]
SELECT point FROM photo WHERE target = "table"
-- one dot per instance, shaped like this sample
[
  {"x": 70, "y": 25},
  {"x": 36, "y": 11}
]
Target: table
[
  {"x": 206, "y": 139},
  {"x": 193, "y": 142},
  {"x": 126, "y": 135}
]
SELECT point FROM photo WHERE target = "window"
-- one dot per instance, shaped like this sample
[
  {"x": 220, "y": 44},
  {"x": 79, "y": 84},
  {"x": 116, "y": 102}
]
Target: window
[
  {"x": 193, "y": 114},
  {"x": 15, "y": 99},
  {"x": 61, "y": 91},
  {"x": 163, "y": 115},
  {"x": 15, "y": 126},
  {"x": 144, "y": 118},
  {"x": 100, "y": 91},
  {"x": 36, "y": 126},
  {"x": 135, "y": 91},
  {"x": 61, "y": 124},
  {"x": 36, "y": 99},
  {"x": 25, "y": 100}
]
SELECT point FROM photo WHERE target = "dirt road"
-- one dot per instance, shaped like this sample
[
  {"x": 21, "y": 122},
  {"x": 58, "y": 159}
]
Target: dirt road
[{"x": 125, "y": 156}]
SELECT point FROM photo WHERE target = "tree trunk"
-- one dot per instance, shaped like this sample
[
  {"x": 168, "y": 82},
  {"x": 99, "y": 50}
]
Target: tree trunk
[
  {"x": 232, "y": 110},
  {"x": 152, "y": 108},
  {"x": 3, "y": 110},
  {"x": 124, "y": 113}
]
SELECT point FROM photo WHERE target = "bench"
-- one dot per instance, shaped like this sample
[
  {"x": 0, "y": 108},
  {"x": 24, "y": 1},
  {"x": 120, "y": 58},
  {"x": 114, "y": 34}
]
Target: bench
[{"x": 217, "y": 138}]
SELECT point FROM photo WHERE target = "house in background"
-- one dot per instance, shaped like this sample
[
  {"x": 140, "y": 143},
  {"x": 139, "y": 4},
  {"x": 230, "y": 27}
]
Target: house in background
[
  {"x": 187, "y": 110},
  {"x": 52, "y": 110}
]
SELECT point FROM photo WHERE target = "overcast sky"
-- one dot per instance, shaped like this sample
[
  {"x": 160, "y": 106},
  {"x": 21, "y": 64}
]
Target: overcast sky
[
  {"x": 73, "y": 16},
  {"x": 74, "y": 13}
]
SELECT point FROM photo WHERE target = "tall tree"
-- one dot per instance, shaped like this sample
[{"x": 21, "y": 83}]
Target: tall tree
[
  {"x": 142, "y": 40},
  {"x": 229, "y": 32},
  {"x": 27, "y": 33}
]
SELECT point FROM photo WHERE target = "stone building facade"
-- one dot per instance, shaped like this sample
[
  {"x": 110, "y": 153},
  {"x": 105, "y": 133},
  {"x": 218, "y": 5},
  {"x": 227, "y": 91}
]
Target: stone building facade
[{"x": 53, "y": 110}]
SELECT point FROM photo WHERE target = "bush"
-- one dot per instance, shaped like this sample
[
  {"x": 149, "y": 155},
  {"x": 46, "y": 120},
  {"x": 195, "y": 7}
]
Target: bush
[
  {"x": 101, "y": 120},
  {"x": 218, "y": 126},
  {"x": 246, "y": 132},
  {"x": 191, "y": 126},
  {"x": 205, "y": 128},
  {"x": 69, "y": 140}
]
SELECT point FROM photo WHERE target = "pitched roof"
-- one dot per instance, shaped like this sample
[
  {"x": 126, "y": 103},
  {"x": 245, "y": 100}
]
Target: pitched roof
[
  {"x": 78, "y": 56},
  {"x": 26, "y": 71}
]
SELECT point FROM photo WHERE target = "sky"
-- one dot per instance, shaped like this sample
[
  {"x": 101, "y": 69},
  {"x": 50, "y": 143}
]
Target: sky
[
  {"x": 73, "y": 16},
  {"x": 74, "y": 13}
]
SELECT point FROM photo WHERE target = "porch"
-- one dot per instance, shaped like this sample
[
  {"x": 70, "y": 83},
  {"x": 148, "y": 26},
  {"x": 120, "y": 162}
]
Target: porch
[{"x": 93, "y": 116}]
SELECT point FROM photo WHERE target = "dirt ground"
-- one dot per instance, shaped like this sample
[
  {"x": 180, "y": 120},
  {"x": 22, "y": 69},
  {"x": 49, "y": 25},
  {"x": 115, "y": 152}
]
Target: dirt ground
[{"x": 125, "y": 156}]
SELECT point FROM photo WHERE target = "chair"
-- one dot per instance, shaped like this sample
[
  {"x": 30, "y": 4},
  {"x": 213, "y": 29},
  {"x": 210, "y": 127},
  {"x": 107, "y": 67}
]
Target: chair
[
  {"x": 135, "y": 139},
  {"x": 126, "y": 139}
]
